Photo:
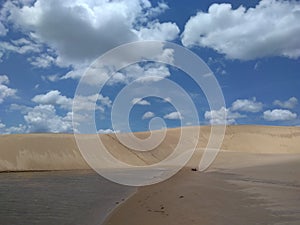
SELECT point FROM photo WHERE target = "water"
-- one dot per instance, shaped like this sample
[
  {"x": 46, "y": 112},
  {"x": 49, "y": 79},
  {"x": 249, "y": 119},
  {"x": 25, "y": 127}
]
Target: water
[{"x": 63, "y": 197}]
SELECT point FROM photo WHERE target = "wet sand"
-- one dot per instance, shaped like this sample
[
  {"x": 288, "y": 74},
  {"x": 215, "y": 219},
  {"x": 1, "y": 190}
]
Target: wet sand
[{"x": 240, "y": 188}]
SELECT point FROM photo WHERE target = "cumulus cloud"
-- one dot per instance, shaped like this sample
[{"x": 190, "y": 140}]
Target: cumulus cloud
[
  {"x": 43, "y": 118},
  {"x": 139, "y": 101},
  {"x": 104, "y": 100},
  {"x": 5, "y": 91},
  {"x": 52, "y": 77},
  {"x": 150, "y": 72},
  {"x": 2, "y": 125},
  {"x": 81, "y": 30},
  {"x": 71, "y": 34},
  {"x": 289, "y": 104},
  {"x": 247, "y": 105},
  {"x": 148, "y": 115},
  {"x": 21, "y": 46},
  {"x": 222, "y": 116},
  {"x": 271, "y": 28},
  {"x": 20, "y": 129},
  {"x": 159, "y": 31},
  {"x": 107, "y": 131},
  {"x": 173, "y": 116},
  {"x": 143, "y": 72},
  {"x": 54, "y": 97},
  {"x": 22, "y": 108},
  {"x": 42, "y": 61},
  {"x": 279, "y": 114},
  {"x": 87, "y": 103},
  {"x": 12, "y": 130}
]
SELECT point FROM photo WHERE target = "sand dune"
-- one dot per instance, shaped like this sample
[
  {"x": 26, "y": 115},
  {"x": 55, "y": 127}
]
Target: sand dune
[
  {"x": 39, "y": 152},
  {"x": 24, "y": 152},
  {"x": 254, "y": 179}
]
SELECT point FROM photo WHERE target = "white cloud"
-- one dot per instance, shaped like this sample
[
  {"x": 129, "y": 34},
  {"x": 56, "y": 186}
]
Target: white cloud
[
  {"x": 222, "y": 116},
  {"x": 271, "y": 28},
  {"x": 247, "y": 105},
  {"x": 87, "y": 103},
  {"x": 81, "y": 30},
  {"x": 75, "y": 32},
  {"x": 155, "y": 11},
  {"x": 139, "y": 101},
  {"x": 16, "y": 129},
  {"x": 149, "y": 72},
  {"x": 53, "y": 97},
  {"x": 42, "y": 61},
  {"x": 289, "y": 104},
  {"x": 43, "y": 118},
  {"x": 52, "y": 78},
  {"x": 21, "y": 46},
  {"x": 174, "y": 116},
  {"x": 78, "y": 70},
  {"x": 22, "y": 108},
  {"x": 146, "y": 71},
  {"x": 12, "y": 130},
  {"x": 158, "y": 31},
  {"x": 4, "y": 79},
  {"x": 104, "y": 100},
  {"x": 5, "y": 91},
  {"x": 279, "y": 114},
  {"x": 107, "y": 131},
  {"x": 148, "y": 115},
  {"x": 2, "y": 125}
]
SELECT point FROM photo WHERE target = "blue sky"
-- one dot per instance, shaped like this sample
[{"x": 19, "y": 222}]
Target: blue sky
[{"x": 252, "y": 48}]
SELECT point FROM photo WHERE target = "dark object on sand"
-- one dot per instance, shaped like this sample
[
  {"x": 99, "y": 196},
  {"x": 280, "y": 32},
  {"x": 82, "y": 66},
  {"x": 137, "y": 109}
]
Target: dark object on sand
[{"x": 194, "y": 169}]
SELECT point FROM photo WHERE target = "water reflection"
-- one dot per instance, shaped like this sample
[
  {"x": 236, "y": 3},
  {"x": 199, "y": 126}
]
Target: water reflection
[{"x": 62, "y": 197}]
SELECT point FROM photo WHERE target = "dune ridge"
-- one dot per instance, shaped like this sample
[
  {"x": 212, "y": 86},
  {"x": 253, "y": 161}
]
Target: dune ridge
[{"x": 38, "y": 152}]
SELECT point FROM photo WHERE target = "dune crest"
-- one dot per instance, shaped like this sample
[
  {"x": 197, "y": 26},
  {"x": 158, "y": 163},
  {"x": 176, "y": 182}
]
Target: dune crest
[{"x": 36, "y": 152}]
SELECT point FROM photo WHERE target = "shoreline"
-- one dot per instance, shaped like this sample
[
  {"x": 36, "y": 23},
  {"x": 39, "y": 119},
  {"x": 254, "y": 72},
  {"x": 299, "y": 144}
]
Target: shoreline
[
  {"x": 58, "y": 197},
  {"x": 255, "y": 173},
  {"x": 111, "y": 212},
  {"x": 225, "y": 194}
]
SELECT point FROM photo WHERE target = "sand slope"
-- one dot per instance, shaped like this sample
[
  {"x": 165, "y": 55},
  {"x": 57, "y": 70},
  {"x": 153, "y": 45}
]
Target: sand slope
[
  {"x": 59, "y": 151},
  {"x": 39, "y": 152}
]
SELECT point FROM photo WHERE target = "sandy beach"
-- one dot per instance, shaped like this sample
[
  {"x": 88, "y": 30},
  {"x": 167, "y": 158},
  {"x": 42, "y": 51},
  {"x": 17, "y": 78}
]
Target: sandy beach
[
  {"x": 254, "y": 179},
  {"x": 232, "y": 191}
]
